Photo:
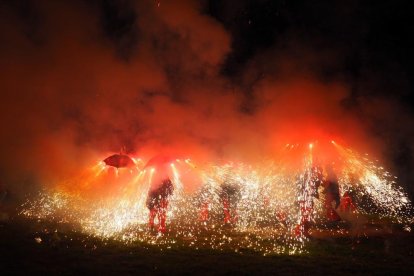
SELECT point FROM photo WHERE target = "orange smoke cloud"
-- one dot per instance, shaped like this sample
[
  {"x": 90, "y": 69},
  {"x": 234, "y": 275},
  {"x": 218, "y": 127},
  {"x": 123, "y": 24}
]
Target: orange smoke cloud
[{"x": 67, "y": 96}]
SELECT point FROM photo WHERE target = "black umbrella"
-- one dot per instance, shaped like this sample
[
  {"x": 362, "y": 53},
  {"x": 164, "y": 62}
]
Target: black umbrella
[{"x": 119, "y": 161}]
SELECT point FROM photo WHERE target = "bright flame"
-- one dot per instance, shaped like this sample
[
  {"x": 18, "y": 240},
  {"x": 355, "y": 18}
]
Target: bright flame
[{"x": 266, "y": 203}]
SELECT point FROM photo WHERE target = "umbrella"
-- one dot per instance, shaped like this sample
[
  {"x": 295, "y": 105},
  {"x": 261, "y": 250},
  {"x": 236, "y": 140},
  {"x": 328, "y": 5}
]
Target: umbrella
[{"x": 119, "y": 161}]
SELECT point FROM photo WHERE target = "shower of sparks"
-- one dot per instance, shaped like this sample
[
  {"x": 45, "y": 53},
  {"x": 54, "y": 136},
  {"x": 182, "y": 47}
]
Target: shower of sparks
[
  {"x": 270, "y": 205},
  {"x": 376, "y": 188}
]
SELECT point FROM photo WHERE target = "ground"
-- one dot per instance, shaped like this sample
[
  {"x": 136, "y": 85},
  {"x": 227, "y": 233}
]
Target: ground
[{"x": 23, "y": 251}]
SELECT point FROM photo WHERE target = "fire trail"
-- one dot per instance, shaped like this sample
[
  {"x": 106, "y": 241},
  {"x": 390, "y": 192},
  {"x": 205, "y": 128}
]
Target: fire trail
[{"x": 271, "y": 206}]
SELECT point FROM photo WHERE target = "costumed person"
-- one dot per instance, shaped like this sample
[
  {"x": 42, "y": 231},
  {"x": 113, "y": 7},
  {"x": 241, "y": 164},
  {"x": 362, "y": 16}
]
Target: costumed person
[
  {"x": 316, "y": 180},
  {"x": 204, "y": 213},
  {"x": 347, "y": 204},
  {"x": 347, "y": 200},
  {"x": 308, "y": 190},
  {"x": 230, "y": 196},
  {"x": 331, "y": 190},
  {"x": 157, "y": 203},
  {"x": 160, "y": 190},
  {"x": 206, "y": 196}
]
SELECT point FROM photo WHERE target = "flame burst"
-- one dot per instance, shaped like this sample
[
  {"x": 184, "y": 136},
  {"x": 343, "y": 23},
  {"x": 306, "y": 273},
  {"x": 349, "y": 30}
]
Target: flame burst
[{"x": 263, "y": 207}]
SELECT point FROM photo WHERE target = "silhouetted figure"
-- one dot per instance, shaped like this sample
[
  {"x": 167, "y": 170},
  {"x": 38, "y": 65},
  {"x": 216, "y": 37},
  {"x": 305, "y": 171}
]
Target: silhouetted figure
[
  {"x": 157, "y": 203},
  {"x": 316, "y": 180},
  {"x": 331, "y": 190},
  {"x": 308, "y": 190},
  {"x": 229, "y": 195},
  {"x": 347, "y": 203},
  {"x": 206, "y": 195}
]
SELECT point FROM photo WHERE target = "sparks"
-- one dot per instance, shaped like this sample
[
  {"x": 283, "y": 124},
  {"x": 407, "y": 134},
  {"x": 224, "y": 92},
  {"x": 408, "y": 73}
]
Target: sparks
[{"x": 270, "y": 207}]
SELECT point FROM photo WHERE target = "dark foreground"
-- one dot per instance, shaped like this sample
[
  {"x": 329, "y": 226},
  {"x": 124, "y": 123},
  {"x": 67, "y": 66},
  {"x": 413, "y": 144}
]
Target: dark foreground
[{"x": 74, "y": 254}]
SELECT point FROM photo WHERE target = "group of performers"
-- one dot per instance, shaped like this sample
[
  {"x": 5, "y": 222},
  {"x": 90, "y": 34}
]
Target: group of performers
[{"x": 309, "y": 184}]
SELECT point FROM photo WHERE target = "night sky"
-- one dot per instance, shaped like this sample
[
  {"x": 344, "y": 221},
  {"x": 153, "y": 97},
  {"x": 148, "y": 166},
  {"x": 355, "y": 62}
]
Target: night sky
[{"x": 224, "y": 78}]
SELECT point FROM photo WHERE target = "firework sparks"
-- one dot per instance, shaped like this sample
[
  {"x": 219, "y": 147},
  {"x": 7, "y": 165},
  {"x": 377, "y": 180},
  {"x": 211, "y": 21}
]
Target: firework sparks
[{"x": 266, "y": 207}]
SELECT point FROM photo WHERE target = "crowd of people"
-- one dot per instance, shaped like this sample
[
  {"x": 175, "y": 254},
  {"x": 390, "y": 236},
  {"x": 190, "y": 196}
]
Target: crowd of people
[{"x": 229, "y": 194}]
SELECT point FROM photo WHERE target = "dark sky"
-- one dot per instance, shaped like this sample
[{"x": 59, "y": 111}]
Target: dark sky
[
  {"x": 83, "y": 76},
  {"x": 370, "y": 42}
]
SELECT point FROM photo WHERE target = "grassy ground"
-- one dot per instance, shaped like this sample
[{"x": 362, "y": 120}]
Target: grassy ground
[{"x": 72, "y": 253}]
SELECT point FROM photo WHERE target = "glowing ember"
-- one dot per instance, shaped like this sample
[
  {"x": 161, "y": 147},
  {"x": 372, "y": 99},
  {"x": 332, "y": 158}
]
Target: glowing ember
[{"x": 270, "y": 207}]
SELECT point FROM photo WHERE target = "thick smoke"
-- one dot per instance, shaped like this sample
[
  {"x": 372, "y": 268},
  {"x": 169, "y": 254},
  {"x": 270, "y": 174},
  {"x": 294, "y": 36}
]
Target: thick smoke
[{"x": 76, "y": 86}]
